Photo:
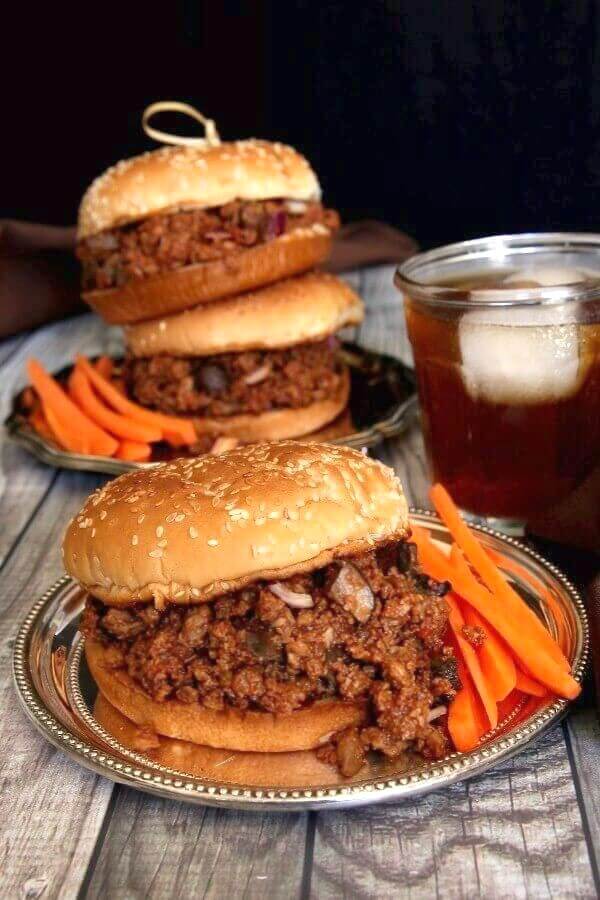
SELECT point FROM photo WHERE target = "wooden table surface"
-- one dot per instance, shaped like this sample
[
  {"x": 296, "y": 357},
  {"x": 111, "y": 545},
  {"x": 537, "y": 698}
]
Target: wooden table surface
[{"x": 529, "y": 828}]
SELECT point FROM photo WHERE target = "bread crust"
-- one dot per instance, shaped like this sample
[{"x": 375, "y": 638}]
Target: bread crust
[
  {"x": 306, "y": 308},
  {"x": 187, "y": 531},
  {"x": 230, "y": 729},
  {"x": 172, "y": 292},
  {"x": 175, "y": 178}
]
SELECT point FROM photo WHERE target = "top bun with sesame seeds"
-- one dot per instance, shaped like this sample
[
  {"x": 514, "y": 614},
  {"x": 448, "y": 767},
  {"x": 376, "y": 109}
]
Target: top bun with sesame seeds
[
  {"x": 179, "y": 226},
  {"x": 176, "y": 178},
  {"x": 187, "y": 531}
]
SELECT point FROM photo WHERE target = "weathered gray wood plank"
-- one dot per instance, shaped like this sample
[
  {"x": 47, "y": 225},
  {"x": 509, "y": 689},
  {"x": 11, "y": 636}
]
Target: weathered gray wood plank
[
  {"x": 514, "y": 833},
  {"x": 583, "y": 732},
  {"x": 51, "y": 810},
  {"x": 23, "y": 480},
  {"x": 156, "y": 848},
  {"x": 9, "y": 346},
  {"x": 383, "y": 328}
]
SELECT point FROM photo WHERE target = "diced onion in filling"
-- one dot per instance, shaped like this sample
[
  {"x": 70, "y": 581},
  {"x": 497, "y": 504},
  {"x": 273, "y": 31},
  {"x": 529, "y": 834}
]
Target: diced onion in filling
[
  {"x": 296, "y": 207},
  {"x": 436, "y": 712},
  {"x": 293, "y": 599},
  {"x": 259, "y": 374}
]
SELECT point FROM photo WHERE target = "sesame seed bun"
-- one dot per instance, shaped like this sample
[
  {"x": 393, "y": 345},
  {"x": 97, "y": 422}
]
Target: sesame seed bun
[
  {"x": 175, "y": 178},
  {"x": 292, "y": 769},
  {"x": 187, "y": 531},
  {"x": 307, "y": 308},
  {"x": 171, "y": 292},
  {"x": 233, "y": 729},
  {"x": 278, "y": 424}
]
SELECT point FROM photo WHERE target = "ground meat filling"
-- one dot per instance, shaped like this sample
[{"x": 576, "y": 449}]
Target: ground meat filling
[
  {"x": 233, "y": 383},
  {"x": 375, "y": 635},
  {"x": 172, "y": 240}
]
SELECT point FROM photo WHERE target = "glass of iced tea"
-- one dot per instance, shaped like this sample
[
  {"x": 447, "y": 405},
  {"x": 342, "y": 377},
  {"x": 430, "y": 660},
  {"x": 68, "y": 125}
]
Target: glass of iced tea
[{"x": 505, "y": 333}]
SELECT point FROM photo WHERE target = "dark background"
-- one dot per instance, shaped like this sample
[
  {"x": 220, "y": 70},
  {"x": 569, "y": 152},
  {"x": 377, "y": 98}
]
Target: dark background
[{"x": 447, "y": 119}]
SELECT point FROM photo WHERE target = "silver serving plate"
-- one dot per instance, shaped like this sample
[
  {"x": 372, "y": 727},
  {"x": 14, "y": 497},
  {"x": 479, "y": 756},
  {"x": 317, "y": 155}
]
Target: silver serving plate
[
  {"x": 61, "y": 699},
  {"x": 382, "y": 404}
]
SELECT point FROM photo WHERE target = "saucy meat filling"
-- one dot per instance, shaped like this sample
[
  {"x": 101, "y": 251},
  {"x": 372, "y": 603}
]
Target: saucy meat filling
[
  {"x": 169, "y": 241},
  {"x": 232, "y": 383},
  {"x": 368, "y": 629}
]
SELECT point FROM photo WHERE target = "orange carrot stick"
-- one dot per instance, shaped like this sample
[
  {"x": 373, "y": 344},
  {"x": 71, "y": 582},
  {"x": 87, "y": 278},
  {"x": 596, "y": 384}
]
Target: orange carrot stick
[
  {"x": 471, "y": 661},
  {"x": 104, "y": 366},
  {"x": 558, "y": 613},
  {"x": 175, "y": 430},
  {"x": 466, "y": 719},
  {"x": 39, "y": 423},
  {"x": 529, "y": 685},
  {"x": 120, "y": 426},
  {"x": 134, "y": 451},
  {"x": 496, "y": 663},
  {"x": 73, "y": 429},
  {"x": 522, "y": 644},
  {"x": 492, "y": 577}
]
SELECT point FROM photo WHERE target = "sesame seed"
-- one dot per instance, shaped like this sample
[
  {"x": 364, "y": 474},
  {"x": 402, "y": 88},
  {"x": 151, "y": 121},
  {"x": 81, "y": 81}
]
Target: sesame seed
[
  {"x": 134, "y": 540},
  {"x": 156, "y": 554},
  {"x": 193, "y": 532},
  {"x": 171, "y": 518},
  {"x": 180, "y": 517},
  {"x": 212, "y": 542},
  {"x": 160, "y": 531}
]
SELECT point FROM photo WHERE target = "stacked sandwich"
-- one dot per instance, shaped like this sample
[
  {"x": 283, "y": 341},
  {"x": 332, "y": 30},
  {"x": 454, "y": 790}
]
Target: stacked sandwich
[{"x": 207, "y": 255}]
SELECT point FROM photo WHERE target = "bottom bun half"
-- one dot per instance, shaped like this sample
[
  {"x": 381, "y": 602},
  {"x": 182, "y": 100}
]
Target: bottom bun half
[
  {"x": 278, "y": 424},
  {"x": 230, "y": 729},
  {"x": 172, "y": 292}
]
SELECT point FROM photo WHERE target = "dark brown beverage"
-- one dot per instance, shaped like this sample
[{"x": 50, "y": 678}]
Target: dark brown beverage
[{"x": 510, "y": 399}]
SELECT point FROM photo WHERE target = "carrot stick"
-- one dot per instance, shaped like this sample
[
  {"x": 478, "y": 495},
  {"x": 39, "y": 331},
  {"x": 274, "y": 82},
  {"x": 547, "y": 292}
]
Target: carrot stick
[
  {"x": 120, "y": 426},
  {"x": 134, "y": 451},
  {"x": 529, "y": 685},
  {"x": 176, "y": 430},
  {"x": 492, "y": 577},
  {"x": 72, "y": 427},
  {"x": 558, "y": 613},
  {"x": 471, "y": 661},
  {"x": 496, "y": 663},
  {"x": 104, "y": 366},
  {"x": 38, "y": 422},
  {"x": 522, "y": 644},
  {"x": 466, "y": 719}
]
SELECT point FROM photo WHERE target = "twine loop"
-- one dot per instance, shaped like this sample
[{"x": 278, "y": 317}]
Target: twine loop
[{"x": 211, "y": 135}]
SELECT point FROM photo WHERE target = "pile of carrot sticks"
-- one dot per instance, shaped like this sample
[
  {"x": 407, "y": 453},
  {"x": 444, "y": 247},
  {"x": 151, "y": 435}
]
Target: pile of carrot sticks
[
  {"x": 93, "y": 416},
  {"x": 516, "y": 654}
]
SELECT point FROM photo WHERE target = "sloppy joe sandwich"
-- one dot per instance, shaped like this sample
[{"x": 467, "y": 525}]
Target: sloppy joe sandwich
[
  {"x": 259, "y": 366},
  {"x": 268, "y": 599},
  {"x": 184, "y": 225}
]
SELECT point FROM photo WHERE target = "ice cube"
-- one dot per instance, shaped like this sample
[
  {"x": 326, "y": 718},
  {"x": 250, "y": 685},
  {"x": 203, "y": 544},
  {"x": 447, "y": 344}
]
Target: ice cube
[
  {"x": 546, "y": 276},
  {"x": 522, "y": 355}
]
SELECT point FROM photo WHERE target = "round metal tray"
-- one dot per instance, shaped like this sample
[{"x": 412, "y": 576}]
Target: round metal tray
[
  {"x": 382, "y": 403},
  {"x": 61, "y": 699}
]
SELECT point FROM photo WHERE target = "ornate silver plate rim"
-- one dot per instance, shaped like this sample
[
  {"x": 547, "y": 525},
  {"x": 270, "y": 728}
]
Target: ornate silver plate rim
[
  {"x": 131, "y": 768},
  {"x": 389, "y": 426}
]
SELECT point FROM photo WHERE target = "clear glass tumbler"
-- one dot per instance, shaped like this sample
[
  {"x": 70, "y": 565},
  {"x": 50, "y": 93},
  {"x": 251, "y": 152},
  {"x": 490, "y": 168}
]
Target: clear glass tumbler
[{"x": 505, "y": 333}]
